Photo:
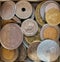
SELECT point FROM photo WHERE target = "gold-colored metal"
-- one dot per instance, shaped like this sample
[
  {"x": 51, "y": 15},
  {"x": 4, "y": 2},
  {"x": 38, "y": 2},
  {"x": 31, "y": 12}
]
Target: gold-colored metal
[
  {"x": 31, "y": 39},
  {"x": 38, "y": 16}
]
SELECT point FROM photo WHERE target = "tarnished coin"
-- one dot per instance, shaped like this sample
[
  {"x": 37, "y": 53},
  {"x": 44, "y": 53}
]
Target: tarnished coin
[
  {"x": 52, "y": 5},
  {"x": 53, "y": 17},
  {"x": 8, "y": 10},
  {"x": 43, "y": 7},
  {"x": 11, "y": 36},
  {"x": 9, "y": 55},
  {"x": 22, "y": 53},
  {"x": 49, "y": 32},
  {"x": 32, "y": 51},
  {"x": 48, "y": 50},
  {"x": 29, "y": 27},
  {"x": 23, "y": 9},
  {"x": 38, "y": 15},
  {"x": 4, "y": 22},
  {"x": 31, "y": 39}
]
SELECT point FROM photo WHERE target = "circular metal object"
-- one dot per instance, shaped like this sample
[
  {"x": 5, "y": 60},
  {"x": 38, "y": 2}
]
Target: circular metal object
[
  {"x": 13, "y": 56},
  {"x": 43, "y": 6},
  {"x": 22, "y": 53},
  {"x": 49, "y": 32},
  {"x": 48, "y": 50},
  {"x": 8, "y": 10},
  {"x": 29, "y": 27},
  {"x": 32, "y": 51},
  {"x": 31, "y": 39},
  {"x": 11, "y": 36},
  {"x": 38, "y": 15},
  {"x": 23, "y": 9}
]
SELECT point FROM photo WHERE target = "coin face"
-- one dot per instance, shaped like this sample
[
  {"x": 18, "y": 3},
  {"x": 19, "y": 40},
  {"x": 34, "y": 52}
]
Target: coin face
[
  {"x": 53, "y": 17},
  {"x": 48, "y": 50},
  {"x": 31, "y": 39},
  {"x": 23, "y": 9},
  {"x": 29, "y": 27},
  {"x": 4, "y": 22},
  {"x": 49, "y": 32},
  {"x": 9, "y": 55},
  {"x": 32, "y": 51},
  {"x": 12, "y": 37},
  {"x": 44, "y": 6},
  {"x": 8, "y": 10},
  {"x": 22, "y": 53}
]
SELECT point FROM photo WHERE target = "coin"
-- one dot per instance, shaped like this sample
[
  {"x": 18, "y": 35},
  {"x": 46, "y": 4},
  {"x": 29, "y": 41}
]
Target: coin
[
  {"x": 22, "y": 53},
  {"x": 8, "y": 10},
  {"x": 53, "y": 17},
  {"x": 12, "y": 37},
  {"x": 31, "y": 39},
  {"x": 29, "y": 27},
  {"x": 23, "y": 9},
  {"x": 32, "y": 51},
  {"x": 38, "y": 15},
  {"x": 8, "y": 55},
  {"x": 48, "y": 50},
  {"x": 49, "y": 32}
]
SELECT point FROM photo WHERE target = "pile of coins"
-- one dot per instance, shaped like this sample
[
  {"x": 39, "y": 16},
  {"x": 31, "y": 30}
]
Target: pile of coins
[{"x": 30, "y": 32}]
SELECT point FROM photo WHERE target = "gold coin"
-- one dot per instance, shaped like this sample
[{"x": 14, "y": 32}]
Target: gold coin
[
  {"x": 8, "y": 55},
  {"x": 32, "y": 51},
  {"x": 38, "y": 16},
  {"x": 49, "y": 32},
  {"x": 31, "y": 39},
  {"x": 53, "y": 17}
]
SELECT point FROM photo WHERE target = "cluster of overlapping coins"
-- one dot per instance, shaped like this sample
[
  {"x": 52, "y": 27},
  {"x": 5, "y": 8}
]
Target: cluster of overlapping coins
[{"x": 29, "y": 32}]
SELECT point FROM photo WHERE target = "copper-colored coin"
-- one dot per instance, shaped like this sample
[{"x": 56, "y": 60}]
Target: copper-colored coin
[
  {"x": 23, "y": 9},
  {"x": 11, "y": 36}
]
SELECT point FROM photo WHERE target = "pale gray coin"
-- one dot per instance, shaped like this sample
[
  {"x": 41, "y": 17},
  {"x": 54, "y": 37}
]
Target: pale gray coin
[{"x": 48, "y": 51}]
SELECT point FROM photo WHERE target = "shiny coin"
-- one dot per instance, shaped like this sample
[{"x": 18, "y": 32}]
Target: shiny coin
[
  {"x": 53, "y": 17},
  {"x": 48, "y": 51}
]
